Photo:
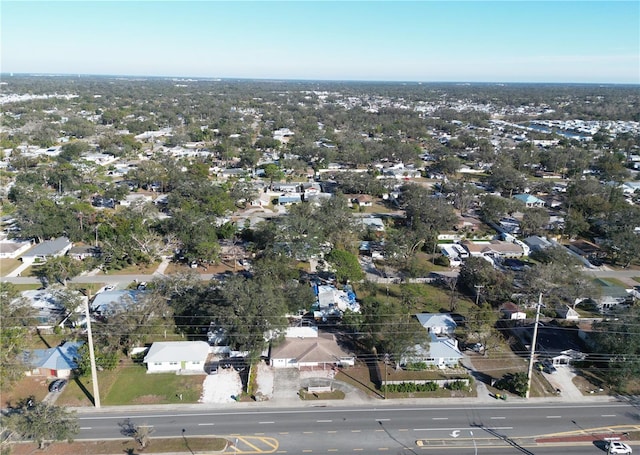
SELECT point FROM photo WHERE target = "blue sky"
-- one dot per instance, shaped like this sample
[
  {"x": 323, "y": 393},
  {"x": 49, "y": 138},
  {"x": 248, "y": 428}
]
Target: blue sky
[{"x": 476, "y": 41}]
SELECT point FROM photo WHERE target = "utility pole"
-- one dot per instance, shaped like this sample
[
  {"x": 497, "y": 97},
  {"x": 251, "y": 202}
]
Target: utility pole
[
  {"x": 533, "y": 345},
  {"x": 92, "y": 357},
  {"x": 478, "y": 287}
]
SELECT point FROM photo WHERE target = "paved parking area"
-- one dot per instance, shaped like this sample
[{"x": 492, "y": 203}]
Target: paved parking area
[{"x": 563, "y": 379}]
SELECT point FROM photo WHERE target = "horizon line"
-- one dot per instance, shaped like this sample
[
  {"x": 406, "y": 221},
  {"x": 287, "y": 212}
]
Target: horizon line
[{"x": 271, "y": 79}]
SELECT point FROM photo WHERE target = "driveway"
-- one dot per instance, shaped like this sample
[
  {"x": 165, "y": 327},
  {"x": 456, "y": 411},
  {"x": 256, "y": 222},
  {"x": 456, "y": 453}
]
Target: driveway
[{"x": 563, "y": 379}]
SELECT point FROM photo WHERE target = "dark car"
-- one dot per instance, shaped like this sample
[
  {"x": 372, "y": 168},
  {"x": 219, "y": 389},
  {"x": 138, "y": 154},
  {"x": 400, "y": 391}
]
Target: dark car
[{"x": 57, "y": 385}]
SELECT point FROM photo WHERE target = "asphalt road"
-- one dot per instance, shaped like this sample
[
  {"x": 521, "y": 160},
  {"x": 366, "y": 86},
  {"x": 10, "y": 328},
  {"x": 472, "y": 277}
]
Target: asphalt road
[{"x": 455, "y": 429}]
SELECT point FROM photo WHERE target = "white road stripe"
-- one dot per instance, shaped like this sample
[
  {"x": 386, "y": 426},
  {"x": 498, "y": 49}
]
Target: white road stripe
[
  {"x": 324, "y": 421},
  {"x": 498, "y": 418},
  {"x": 554, "y": 417},
  {"x": 382, "y": 420},
  {"x": 206, "y": 424},
  {"x": 608, "y": 415},
  {"x": 440, "y": 418},
  {"x": 263, "y": 423},
  {"x": 86, "y": 428},
  {"x": 459, "y": 428}
]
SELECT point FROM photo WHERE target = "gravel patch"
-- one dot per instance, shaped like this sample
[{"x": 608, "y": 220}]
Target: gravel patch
[
  {"x": 265, "y": 379},
  {"x": 219, "y": 388}
]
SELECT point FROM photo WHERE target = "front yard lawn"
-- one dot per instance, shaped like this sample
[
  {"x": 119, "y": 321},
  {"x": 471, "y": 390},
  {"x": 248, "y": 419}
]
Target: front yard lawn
[{"x": 129, "y": 383}]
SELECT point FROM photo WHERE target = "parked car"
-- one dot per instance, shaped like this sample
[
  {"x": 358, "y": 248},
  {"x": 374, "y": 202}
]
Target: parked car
[
  {"x": 616, "y": 447},
  {"x": 57, "y": 385}
]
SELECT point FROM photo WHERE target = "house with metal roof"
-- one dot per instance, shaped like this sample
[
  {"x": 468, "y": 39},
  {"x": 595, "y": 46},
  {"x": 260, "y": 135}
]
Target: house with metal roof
[
  {"x": 177, "y": 356},
  {"x": 437, "y": 323},
  {"x": 442, "y": 352},
  {"x": 58, "y": 362},
  {"x": 529, "y": 200}
]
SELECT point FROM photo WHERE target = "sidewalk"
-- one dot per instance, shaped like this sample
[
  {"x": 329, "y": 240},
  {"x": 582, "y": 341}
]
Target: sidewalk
[{"x": 357, "y": 400}]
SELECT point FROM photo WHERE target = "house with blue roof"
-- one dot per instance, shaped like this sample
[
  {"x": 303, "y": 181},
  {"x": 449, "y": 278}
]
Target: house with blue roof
[
  {"x": 441, "y": 352},
  {"x": 107, "y": 301},
  {"x": 529, "y": 200},
  {"x": 58, "y": 362}
]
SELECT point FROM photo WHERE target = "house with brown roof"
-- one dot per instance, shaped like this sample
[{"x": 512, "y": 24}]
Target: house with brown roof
[{"x": 322, "y": 350}]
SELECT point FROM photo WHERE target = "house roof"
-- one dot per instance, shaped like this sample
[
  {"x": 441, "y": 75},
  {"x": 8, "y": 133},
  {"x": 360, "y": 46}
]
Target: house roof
[
  {"x": 535, "y": 241},
  {"x": 104, "y": 300},
  {"x": 48, "y": 248},
  {"x": 177, "y": 351},
  {"x": 439, "y": 348},
  {"x": 528, "y": 199},
  {"x": 431, "y": 320},
  {"x": 62, "y": 357},
  {"x": 323, "y": 349}
]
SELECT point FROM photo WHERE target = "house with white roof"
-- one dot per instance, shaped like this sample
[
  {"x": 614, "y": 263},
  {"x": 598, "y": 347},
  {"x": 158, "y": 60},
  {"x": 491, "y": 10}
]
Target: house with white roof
[
  {"x": 177, "y": 356},
  {"x": 437, "y": 323},
  {"x": 529, "y": 200}
]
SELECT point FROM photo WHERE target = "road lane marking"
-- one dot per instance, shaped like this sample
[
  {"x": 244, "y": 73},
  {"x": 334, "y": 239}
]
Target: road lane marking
[
  {"x": 608, "y": 415},
  {"x": 205, "y": 424},
  {"x": 403, "y": 429},
  {"x": 356, "y": 431},
  {"x": 258, "y": 434},
  {"x": 382, "y": 420},
  {"x": 265, "y": 423},
  {"x": 86, "y": 428},
  {"x": 324, "y": 421},
  {"x": 440, "y": 418},
  {"x": 307, "y": 432},
  {"x": 307, "y": 450},
  {"x": 379, "y": 430},
  {"x": 383, "y": 448},
  {"x": 284, "y": 432},
  {"x": 498, "y": 418},
  {"x": 332, "y": 431},
  {"x": 358, "y": 450},
  {"x": 458, "y": 428},
  {"x": 332, "y": 450},
  {"x": 554, "y": 417}
]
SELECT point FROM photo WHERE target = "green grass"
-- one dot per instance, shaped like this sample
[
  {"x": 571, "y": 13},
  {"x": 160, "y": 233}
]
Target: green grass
[
  {"x": 8, "y": 265},
  {"x": 129, "y": 383},
  {"x": 614, "y": 282},
  {"x": 636, "y": 278},
  {"x": 135, "y": 386}
]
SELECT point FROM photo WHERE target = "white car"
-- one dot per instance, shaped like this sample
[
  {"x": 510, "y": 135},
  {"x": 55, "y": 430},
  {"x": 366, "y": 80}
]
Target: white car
[{"x": 616, "y": 447}]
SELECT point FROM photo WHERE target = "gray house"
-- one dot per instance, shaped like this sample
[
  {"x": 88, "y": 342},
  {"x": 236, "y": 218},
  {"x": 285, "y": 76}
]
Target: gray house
[{"x": 46, "y": 250}]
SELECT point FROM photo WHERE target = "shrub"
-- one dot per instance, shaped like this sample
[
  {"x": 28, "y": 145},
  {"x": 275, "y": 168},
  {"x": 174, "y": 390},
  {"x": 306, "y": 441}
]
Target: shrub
[{"x": 410, "y": 387}]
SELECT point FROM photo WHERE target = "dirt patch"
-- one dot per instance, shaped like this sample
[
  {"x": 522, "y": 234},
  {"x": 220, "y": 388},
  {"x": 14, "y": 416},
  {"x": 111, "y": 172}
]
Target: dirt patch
[{"x": 35, "y": 386}]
